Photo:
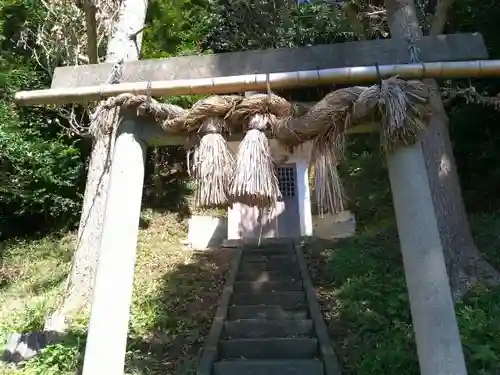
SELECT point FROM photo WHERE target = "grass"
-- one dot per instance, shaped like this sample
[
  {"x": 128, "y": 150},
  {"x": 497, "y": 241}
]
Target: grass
[
  {"x": 362, "y": 290},
  {"x": 175, "y": 296}
]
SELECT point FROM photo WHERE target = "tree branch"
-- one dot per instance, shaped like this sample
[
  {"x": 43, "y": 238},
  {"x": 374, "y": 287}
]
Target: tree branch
[
  {"x": 471, "y": 96},
  {"x": 440, "y": 16}
]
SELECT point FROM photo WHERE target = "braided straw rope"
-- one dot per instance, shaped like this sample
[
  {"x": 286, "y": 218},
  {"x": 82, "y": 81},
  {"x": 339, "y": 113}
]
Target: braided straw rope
[{"x": 402, "y": 107}]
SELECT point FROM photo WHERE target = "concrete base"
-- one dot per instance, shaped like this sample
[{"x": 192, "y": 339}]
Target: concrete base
[
  {"x": 330, "y": 226},
  {"x": 206, "y": 232}
]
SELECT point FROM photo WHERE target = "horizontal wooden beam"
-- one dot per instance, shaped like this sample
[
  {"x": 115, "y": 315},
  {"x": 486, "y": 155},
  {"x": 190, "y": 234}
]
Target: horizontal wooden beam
[{"x": 453, "y": 47}]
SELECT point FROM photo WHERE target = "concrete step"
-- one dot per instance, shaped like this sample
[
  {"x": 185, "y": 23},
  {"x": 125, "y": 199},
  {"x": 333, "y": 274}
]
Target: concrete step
[
  {"x": 269, "y": 348},
  {"x": 264, "y": 257},
  {"x": 271, "y": 265},
  {"x": 292, "y": 273},
  {"x": 259, "y": 328},
  {"x": 289, "y": 300},
  {"x": 265, "y": 312},
  {"x": 250, "y": 243},
  {"x": 266, "y": 286},
  {"x": 269, "y": 249},
  {"x": 269, "y": 367}
]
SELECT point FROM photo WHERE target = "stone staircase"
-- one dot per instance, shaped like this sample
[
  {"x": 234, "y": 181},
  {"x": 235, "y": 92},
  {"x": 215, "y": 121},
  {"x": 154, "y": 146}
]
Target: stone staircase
[{"x": 269, "y": 321}]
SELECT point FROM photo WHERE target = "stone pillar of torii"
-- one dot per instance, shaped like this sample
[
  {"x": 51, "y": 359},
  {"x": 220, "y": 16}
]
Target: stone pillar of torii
[{"x": 435, "y": 324}]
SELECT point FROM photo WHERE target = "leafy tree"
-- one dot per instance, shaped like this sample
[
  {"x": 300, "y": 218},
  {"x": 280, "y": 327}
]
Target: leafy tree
[
  {"x": 258, "y": 24},
  {"x": 40, "y": 167},
  {"x": 175, "y": 27}
]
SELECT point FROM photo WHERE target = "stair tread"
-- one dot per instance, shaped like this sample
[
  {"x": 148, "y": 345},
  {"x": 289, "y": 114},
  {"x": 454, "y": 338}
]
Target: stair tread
[
  {"x": 269, "y": 348},
  {"x": 276, "y": 293},
  {"x": 268, "y": 260},
  {"x": 266, "y": 286},
  {"x": 286, "y": 299},
  {"x": 268, "y": 250},
  {"x": 269, "y": 367},
  {"x": 272, "y": 312},
  {"x": 264, "y": 257},
  {"x": 270, "y": 339},
  {"x": 260, "y": 328},
  {"x": 269, "y": 275},
  {"x": 258, "y": 265}
]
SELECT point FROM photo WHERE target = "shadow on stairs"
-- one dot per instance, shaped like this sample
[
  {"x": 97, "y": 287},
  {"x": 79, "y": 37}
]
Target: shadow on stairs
[{"x": 269, "y": 321}]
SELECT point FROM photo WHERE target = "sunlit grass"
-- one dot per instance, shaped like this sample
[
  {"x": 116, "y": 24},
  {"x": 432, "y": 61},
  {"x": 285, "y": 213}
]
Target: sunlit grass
[
  {"x": 175, "y": 295},
  {"x": 362, "y": 289}
]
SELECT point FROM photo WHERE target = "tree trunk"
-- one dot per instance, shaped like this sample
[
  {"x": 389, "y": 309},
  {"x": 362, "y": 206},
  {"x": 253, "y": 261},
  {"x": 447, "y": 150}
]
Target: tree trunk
[
  {"x": 81, "y": 279},
  {"x": 464, "y": 263}
]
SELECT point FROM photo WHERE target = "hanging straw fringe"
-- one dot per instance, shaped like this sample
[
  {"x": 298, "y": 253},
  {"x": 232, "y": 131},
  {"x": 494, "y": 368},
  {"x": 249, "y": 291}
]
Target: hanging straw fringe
[
  {"x": 403, "y": 108},
  {"x": 326, "y": 154},
  {"x": 325, "y": 124},
  {"x": 255, "y": 182},
  {"x": 212, "y": 165}
]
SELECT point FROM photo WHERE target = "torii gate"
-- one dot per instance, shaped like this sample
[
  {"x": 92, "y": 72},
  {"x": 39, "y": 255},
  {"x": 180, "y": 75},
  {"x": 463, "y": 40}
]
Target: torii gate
[{"x": 434, "y": 321}]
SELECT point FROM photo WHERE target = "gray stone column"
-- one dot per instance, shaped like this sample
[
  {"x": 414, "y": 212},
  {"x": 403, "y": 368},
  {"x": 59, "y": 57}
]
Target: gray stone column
[
  {"x": 108, "y": 327},
  {"x": 434, "y": 321}
]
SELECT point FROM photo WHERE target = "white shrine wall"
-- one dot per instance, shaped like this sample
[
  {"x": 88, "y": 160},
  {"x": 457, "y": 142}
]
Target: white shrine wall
[
  {"x": 206, "y": 232},
  {"x": 300, "y": 158}
]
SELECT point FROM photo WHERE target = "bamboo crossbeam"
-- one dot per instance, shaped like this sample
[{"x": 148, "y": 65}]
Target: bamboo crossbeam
[{"x": 254, "y": 82}]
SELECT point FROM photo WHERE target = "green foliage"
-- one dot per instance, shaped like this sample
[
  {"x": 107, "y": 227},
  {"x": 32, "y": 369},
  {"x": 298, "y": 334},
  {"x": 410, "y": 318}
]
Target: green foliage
[
  {"x": 475, "y": 137},
  {"x": 40, "y": 168},
  {"x": 174, "y": 27},
  {"x": 319, "y": 24},
  {"x": 363, "y": 290},
  {"x": 474, "y": 130},
  {"x": 258, "y": 24},
  {"x": 468, "y": 16},
  {"x": 366, "y": 181},
  {"x": 14, "y": 14},
  {"x": 479, "y": 330},
  {"x": 57, "y": 359},
  {"x": 33, "y": 273}
]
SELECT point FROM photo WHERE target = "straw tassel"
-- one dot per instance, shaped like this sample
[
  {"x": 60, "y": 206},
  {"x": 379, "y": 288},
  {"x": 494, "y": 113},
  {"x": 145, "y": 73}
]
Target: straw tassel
[
  {"x": 326, "y": 155},
  {"x": 212, "y": 165},
  {"x": 403, "y": 108},
  {"x": 255, "y": 182}
]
